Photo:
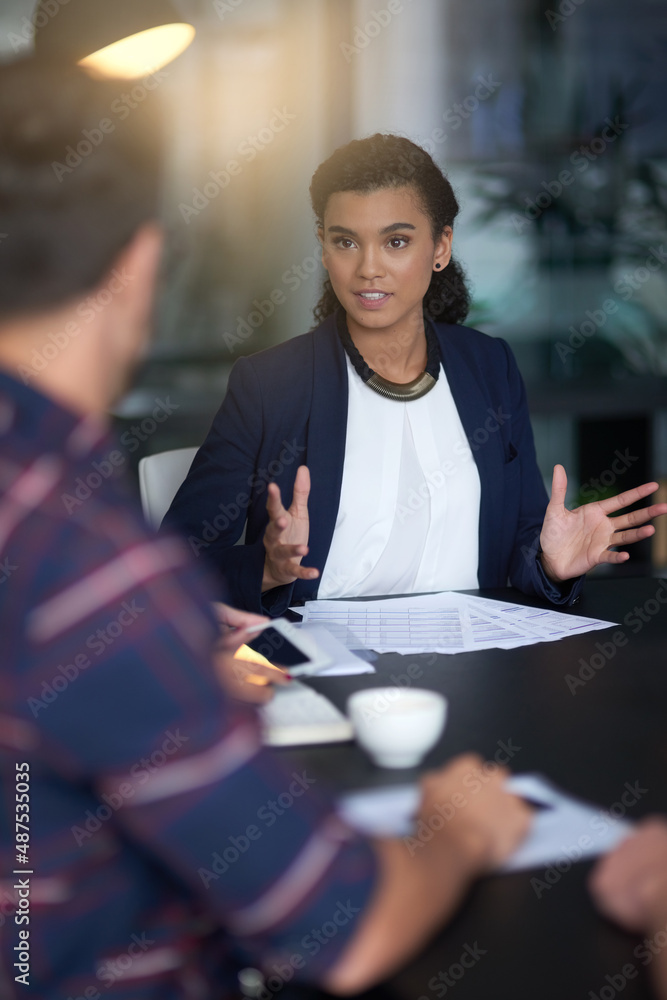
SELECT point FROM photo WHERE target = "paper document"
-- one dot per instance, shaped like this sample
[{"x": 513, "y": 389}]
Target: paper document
[
  {"x": 343, "y": 661},
  {"x": 566, "y": 829},
  {"x": 443, "y": 623},
  {"x": 563, "y": 830}
]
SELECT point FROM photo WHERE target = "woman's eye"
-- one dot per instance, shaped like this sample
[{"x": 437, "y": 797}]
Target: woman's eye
[
  {"x": 398, "y": 242},
  {"x": 344, "y": 242}
]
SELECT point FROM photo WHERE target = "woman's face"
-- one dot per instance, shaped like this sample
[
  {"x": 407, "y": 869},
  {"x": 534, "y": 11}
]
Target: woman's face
[{"x": 380, "y": 254}]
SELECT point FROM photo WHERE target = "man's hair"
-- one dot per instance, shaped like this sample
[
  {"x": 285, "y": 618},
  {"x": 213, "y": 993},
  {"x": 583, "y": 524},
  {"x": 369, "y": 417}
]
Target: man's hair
[{"x": 78, "y": 178}]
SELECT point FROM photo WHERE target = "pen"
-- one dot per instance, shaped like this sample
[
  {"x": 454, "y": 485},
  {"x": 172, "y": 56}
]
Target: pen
[{"x": 534, "y": 803}]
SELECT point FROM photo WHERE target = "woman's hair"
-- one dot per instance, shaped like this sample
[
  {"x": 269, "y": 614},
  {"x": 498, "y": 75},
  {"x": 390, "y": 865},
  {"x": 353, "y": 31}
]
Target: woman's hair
[{"x": 390, "y": 161}]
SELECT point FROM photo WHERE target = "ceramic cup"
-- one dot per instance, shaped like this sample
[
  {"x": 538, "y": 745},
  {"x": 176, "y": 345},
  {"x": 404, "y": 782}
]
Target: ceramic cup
[{"x": 397, "y": 726}]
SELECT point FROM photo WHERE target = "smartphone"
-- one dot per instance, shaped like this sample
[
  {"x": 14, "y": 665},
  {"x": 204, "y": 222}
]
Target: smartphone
[{"x": 286, "y": 646}]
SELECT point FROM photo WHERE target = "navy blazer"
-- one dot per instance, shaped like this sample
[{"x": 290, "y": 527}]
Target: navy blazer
[{"x": 287, "y": 406}]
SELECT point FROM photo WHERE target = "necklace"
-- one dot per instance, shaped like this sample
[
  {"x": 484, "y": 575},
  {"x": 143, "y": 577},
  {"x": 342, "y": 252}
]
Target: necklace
[{"x": 402, "y": 392}]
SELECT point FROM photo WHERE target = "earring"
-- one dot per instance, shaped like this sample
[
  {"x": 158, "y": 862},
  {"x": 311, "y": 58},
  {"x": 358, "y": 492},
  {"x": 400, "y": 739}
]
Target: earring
[{"x": 438, "y": 266}]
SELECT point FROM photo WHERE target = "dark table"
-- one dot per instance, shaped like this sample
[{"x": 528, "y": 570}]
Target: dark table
[{"x": 590, "y": 713}]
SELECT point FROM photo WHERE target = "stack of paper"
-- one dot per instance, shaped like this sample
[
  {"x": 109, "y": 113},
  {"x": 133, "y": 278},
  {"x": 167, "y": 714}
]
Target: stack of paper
[{"x": 442, "y": 623}]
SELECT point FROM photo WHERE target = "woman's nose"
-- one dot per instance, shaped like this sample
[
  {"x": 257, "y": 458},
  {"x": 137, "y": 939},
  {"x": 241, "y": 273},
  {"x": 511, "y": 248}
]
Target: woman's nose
[{"x": 370, "y": 264}]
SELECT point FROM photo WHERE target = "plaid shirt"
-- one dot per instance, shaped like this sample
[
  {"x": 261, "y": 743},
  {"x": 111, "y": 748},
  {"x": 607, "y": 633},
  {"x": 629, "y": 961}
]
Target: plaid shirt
[{"x": 167, "y": 848}]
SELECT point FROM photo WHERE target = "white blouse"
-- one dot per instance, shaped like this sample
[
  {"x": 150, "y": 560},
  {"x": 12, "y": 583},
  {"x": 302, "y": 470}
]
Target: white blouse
[{"x": 408, "y": 517}]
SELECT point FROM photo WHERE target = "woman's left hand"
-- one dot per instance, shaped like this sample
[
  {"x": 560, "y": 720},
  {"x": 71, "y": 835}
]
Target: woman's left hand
[{"x": 574, "y": 541}]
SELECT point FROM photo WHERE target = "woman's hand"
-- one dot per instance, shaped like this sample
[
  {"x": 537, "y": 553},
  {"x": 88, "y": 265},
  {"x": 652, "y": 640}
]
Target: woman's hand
[
  {"x": 234, "y": 625},
  {"x": 574, "y": 541},
  {"x": 248, "y": 681},
  {"x": 242, "y": 679},
  {"x": 245, "y": 679},
  {"x": 286, "y": 535}
]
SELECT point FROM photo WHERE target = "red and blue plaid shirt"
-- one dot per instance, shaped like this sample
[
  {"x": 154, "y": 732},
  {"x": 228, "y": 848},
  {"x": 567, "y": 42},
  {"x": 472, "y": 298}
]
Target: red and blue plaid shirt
[{"x": 166, "y": 848}]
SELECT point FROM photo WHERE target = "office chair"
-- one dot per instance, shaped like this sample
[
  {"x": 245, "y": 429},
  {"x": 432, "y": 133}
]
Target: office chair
[{"x": 159, "y": 479}]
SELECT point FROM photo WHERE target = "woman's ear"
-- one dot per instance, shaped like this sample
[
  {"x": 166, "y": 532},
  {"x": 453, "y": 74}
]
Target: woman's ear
[
  {"x": 320, "y": 236},
  {"x": 443, "y": 249}
]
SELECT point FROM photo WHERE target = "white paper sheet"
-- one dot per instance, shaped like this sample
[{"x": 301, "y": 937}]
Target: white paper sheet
[
  {"x": 565, "y": 831},
  {"x": 344, "y": 662},
  {"x": 443, "y": 623}
]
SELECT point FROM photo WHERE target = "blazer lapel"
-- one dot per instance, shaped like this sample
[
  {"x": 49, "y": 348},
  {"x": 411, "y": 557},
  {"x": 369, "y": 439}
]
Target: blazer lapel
[
  {"x": 325, "y": 444},
  {"x": 474, "y": 408}
]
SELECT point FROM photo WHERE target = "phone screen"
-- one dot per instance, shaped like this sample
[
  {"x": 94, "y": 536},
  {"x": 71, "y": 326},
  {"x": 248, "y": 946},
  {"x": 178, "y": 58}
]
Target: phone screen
[{"x": 279, "y": 650}]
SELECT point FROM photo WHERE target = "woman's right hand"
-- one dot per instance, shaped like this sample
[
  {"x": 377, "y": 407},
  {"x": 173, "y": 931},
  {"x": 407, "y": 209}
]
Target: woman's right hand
[{"x": 286, "y": 535}]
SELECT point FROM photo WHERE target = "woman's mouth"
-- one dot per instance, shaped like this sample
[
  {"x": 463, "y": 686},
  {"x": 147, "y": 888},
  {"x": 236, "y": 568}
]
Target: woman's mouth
[{"x": 373, "y": 298}]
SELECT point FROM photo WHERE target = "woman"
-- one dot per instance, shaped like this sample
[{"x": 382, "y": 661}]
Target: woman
[{"x": 402, "y": 437}]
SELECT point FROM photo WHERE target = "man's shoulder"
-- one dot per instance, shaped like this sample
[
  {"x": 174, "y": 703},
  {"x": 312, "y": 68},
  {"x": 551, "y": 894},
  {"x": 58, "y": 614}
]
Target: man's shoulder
[
  {"x": 76, "y": 515},
  {"x": 86, "y": 492},
  {"x": 78, "y": 551}
]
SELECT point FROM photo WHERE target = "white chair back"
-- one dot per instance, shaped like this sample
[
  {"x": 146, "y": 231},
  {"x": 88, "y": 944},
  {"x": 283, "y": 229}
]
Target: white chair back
[{"x": 159, "y": 479}]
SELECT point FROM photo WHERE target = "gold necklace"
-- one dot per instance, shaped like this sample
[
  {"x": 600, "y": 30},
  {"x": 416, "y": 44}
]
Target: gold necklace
[{"x": 402, "y": 392}]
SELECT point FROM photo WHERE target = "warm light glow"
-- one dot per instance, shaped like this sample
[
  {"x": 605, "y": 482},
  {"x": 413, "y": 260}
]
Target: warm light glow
[
  {"x": 140, "y": 54},
  {"x": 247, "y": 653}
]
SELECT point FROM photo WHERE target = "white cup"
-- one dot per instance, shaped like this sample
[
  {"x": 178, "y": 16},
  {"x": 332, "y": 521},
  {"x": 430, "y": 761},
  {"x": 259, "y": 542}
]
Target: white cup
[{"x": 397, "y": 726}]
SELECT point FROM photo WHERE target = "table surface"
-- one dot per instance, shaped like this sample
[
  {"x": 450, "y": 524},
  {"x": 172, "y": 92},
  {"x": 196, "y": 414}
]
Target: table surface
[{"x": 611, "y": 731}]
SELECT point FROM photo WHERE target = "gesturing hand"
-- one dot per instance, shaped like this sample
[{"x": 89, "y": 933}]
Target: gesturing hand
[
  {"x": 574, "y": 541},
  {"x": 286, "y": 535}
]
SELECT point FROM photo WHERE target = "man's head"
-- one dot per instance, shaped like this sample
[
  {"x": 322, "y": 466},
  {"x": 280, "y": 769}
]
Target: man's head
[{"x": 79, "y": 198}]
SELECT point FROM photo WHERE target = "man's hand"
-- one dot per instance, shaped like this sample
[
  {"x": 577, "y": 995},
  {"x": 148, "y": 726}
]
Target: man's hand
[
  {"x": 418, "y": 890},
  {"x": 286, "y": 535},
  {"x": 574, "y": 541},
  {"x": 487, "y": 822}
]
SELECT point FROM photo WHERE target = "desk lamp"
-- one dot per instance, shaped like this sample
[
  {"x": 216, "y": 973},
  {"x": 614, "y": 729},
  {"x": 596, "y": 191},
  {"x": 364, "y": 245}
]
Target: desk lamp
[{"x": 111, "y": 38}]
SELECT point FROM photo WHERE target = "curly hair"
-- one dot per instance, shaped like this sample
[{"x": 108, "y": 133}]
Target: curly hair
[{"x": 391, "y": 161}]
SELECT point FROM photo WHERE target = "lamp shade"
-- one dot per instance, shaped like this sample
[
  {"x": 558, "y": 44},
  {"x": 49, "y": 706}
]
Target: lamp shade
[{"x": 129, "y": 38}]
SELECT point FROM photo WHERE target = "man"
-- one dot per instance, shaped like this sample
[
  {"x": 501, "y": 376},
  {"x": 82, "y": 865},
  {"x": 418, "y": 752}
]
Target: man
[{"x": 158, "y": 847}]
